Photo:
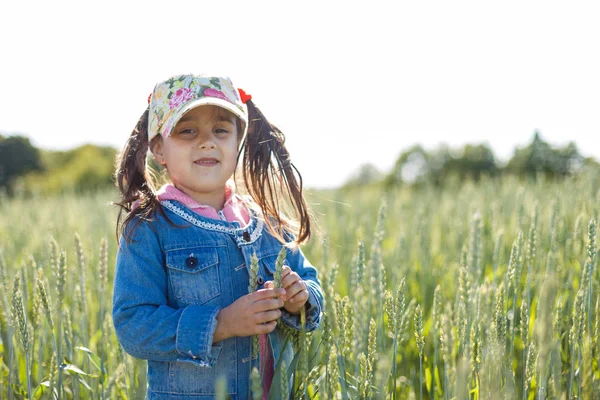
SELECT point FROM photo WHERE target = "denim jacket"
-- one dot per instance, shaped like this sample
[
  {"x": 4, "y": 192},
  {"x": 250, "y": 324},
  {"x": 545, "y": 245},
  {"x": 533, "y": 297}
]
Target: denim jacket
[{"x": 171, "y": 282}]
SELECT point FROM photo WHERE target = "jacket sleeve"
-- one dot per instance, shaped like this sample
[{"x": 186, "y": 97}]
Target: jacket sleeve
[
  {"x": 146, "y": 326},
  {"x": 314, "y": 304}
]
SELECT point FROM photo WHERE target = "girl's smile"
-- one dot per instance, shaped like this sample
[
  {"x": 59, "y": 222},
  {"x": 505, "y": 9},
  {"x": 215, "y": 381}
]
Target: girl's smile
[
  {"x": 201, "y": 153},
  {"x": 207, "y": 162}
]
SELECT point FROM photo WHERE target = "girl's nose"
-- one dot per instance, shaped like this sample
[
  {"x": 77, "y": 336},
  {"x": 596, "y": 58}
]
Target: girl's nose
[{"x": 207, "y": 142}]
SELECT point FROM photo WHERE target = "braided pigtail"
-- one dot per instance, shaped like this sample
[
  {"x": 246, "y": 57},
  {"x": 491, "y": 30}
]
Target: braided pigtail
[{"x": 272, "y": 180}]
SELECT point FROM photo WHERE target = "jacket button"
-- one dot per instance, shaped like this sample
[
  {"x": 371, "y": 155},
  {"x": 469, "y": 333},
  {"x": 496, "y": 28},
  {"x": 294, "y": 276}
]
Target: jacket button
[
  {"x": 191, "y": 262},
  {"x": 246, "y": 236},
  {"x": 260, "y": 280}
]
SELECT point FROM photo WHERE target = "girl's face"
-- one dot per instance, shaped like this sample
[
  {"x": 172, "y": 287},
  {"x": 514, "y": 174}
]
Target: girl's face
[{"x": 200, "y": 155}]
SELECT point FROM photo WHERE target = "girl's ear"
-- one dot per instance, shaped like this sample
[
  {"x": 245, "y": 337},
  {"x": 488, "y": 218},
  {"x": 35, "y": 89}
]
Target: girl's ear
[{"x": 156, "y": 147}]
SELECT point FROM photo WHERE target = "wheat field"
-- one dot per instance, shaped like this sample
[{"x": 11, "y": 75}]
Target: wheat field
[{"x": 476, "y": 291}]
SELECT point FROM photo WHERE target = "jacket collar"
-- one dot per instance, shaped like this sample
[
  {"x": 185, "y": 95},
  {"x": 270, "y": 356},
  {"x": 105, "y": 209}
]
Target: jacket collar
[{"x": 242, "y": 235}]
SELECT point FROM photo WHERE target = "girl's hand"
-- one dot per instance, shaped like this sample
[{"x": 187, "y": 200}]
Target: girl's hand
[
  {"x": 297, "y": 293},
  {"x": 253, "y": 314}
]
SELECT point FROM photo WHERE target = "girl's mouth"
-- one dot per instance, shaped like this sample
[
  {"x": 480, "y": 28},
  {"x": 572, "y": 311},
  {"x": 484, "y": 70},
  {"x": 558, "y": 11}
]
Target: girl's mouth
[{"x": 207, "y": 162}]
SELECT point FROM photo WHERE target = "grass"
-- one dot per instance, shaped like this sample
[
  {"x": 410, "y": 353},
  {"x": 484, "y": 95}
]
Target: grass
[{"x": 462, "y": 292}]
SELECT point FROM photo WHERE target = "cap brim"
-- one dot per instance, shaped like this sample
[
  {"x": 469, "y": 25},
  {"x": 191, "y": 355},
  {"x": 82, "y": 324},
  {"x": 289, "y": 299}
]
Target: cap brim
[{"x": 206, "y": 101}]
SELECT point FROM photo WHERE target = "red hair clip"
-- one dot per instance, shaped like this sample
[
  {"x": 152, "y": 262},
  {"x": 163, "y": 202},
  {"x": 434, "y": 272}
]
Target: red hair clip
[
  {"x": 149, "y": 97},
  {"x": 244, "y": 96}
]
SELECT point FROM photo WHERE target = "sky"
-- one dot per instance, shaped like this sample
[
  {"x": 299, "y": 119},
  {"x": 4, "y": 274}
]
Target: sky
[{"x": 349, "y": 82}]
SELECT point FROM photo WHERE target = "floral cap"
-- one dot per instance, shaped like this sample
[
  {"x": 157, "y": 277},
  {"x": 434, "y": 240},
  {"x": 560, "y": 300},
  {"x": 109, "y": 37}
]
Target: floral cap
[{"x": 179, "y": 94}]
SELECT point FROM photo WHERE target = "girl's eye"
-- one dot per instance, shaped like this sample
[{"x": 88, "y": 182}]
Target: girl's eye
[
  {"x": 221, "y": 130},
  {"x": 187, "y": 132}
]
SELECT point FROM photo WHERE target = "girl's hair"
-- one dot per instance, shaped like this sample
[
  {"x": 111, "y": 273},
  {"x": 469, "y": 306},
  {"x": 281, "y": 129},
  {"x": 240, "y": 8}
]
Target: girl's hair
[
  {"x": 134, "y": 180},
  {"x": 268, "y": 173},
  {"x": 266, "y": 169}
]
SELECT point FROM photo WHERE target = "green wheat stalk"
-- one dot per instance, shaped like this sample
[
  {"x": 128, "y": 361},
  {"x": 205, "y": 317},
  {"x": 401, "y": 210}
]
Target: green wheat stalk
[
  {"x": 252, "y": 286},
  {"x": 103, "y": 268},
  {"x": 20, "y": 317},
  {"x": 256, "y": 385},
  {"x": 420, "y": 340},
  {"x": 61, "y": 269}
]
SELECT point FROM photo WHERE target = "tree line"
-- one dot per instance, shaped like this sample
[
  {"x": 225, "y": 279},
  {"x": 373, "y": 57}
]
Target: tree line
[
  {"x": 27, "y": 169},
  {"x": 417, "y": 166}
]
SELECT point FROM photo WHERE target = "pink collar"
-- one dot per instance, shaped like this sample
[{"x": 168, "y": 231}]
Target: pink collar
[
  {"x": 170, "y": 192},
  {"x": 234, "y": 208}
]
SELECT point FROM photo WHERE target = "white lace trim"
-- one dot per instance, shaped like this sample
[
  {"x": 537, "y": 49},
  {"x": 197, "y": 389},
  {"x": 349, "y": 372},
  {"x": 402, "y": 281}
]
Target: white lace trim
[
  {"x": 216, "y": 227},
  {"x": 257, "y": 231}
]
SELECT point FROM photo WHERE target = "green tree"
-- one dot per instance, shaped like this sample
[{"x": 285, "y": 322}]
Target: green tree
[
  {"x": 417, "y": 166},
  {"x": 367, "y": 174},
  {"x": 412, "y": 167},
  {"x": 540, "y": 157},
  {"x": 17, "y": 157},
  {"x": 475, "y": 161},
  {"x": 84, "y": 168}
]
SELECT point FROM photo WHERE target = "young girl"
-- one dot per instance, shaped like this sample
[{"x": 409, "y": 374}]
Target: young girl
[{"x": 182, "y": 276}]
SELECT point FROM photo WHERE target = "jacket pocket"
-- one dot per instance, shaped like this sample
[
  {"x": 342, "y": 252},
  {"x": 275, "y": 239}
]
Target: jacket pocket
[
  {"x": 269, "y": 263},
  {"x": 194, "y": 274}
]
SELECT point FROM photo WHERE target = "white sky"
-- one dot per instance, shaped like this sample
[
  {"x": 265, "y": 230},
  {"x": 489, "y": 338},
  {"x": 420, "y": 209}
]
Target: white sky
[{"x": 348, "y": 82}]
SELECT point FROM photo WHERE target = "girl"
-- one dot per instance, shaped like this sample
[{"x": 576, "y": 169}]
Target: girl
[{"x": 182, "y": 275}]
